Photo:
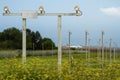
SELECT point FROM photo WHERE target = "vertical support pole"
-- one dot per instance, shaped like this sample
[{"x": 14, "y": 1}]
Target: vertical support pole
[
  {"x": 110, "y": 51},
  {"x": 89, "y": 51},
  {"x": 59, "y": 45},
  {"x": 70, "y": 60},
  {"x": 102, "y": 54},
  {"x": 86, "y": 44},
  {"x": 116, "y": 51},
  {"x": 99, "y": 49},
  {"x": 102, "y": 48},
  {"x": 106, "y": 51},
  {"x": 114, "y": 54},
  {"x": 69, "y": 45},
  {"x": 24, "y": 41}
]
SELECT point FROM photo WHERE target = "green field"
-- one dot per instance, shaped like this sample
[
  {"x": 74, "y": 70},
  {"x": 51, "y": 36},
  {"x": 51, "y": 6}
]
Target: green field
[{"x": 46, "y": 68}]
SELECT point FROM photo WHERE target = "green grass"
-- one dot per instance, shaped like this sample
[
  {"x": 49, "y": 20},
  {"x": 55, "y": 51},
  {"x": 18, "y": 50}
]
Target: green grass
[{"x": 46, "y": 68}]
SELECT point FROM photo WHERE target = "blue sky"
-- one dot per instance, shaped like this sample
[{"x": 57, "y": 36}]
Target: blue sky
[{"x": 97, "y": 15}]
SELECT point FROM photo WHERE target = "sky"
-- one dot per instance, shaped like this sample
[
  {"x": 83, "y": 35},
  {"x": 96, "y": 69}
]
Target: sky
[{"x": 98, "y": 16}]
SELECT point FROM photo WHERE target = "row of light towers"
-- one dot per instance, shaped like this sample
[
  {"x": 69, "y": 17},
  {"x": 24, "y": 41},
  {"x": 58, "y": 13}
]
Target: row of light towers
[{"x": 99, "y": 51}]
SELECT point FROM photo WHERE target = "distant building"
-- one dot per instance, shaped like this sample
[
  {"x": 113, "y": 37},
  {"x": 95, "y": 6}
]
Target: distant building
[{"x": 74, "y": 46}]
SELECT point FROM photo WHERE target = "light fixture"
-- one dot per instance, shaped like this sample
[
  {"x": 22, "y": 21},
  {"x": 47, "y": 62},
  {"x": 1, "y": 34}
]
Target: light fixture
[
  {"x": 77, "y": 9},
  {"x": 6, "y": 9},
  {"x": 41, "y": 8},
  {"x": 41, "y": 13}
]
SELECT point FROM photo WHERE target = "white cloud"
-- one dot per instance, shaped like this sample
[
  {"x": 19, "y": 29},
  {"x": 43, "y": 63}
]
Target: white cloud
[{"x": 114, "y": 11}]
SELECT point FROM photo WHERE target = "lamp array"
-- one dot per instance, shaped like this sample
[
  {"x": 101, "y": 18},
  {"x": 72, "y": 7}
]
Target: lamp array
[{"x": 42, "y": 11}]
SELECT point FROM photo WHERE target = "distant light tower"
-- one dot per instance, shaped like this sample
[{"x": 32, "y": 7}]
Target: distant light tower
[
  {"x": 89, "y": 50},
  {"x": 106, "y": 50},
  {"x": 99, "y": 49},
  {"x": 115, "y": 51},
  {"x": 86, "y": 44},
  {"x": 69, "y": 41},
  {"x": 102, "y": 48},
  {"x": 110, "y": 50}
]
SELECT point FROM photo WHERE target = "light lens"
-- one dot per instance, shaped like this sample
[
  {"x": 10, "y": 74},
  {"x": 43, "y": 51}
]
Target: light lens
[
  {"x": 41, "y": 8},
  {"x": 76, "y": 8},
  {"x": 6, "y": 8}
]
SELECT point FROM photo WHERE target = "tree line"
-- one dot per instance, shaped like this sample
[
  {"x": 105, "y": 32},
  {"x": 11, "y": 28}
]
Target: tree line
[{"x": 11, "y": 38}]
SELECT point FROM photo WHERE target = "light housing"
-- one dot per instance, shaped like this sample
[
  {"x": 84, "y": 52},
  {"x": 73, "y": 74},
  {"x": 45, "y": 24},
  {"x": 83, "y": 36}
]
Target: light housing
[
  {"x": 41, "y": 8},
  {"x": 78, "y": 12},
  {"x": 6, "y": 9},
  {"x": 76, "y": 8}
]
